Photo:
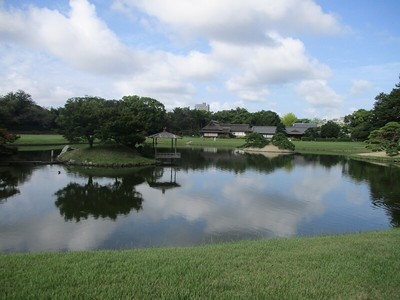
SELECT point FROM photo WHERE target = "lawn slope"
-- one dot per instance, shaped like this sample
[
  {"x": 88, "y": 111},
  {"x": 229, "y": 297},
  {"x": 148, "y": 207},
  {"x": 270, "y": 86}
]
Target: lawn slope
[
  {"x": 105, "y": 155},
  {"x": 354, "y": 266}
]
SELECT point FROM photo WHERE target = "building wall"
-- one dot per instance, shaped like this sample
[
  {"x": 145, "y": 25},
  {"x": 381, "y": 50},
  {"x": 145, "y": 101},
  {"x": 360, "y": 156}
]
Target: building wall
[{"x": 202, "y": 106}]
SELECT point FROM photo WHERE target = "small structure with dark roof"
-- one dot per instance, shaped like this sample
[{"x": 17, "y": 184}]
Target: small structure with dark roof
[
  {"x": 166, "y": 135},
  {"x": 299, "y": 129},
  {"x": 155, "y": 183}
]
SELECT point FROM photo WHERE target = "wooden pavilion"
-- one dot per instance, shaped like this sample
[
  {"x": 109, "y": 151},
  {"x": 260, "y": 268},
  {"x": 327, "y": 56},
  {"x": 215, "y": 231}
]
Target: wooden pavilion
[{"x": 165, "y": 135}]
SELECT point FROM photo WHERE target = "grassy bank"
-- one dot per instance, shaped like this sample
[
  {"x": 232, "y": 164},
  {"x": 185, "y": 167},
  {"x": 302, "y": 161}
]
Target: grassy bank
[
  {"x": 340, "y": 148},
  {"x": 40, "y": 139},
  {"x": 33, "y": 140},
  {"x": 355, "y": 266},
  {"x": 106, "y": 155}
]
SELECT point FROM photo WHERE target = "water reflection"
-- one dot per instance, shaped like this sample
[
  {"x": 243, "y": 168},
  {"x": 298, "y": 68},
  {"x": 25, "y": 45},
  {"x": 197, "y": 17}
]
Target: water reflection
[
  {"x": 10, "y": 178},
  {"x": 210, "y": 196},
  {"x": 165, "y": 185},
  {"x": 76, "y": 201},
  {"x": 384, "y": 185}
]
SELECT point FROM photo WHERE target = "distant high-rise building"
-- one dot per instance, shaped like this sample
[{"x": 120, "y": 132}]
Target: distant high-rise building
[{"x": 202, "y": 106}]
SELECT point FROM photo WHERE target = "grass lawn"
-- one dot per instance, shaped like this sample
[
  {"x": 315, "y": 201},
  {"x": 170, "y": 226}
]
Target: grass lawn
[
  {"x": 344, "y": 148},
  {"x": 200, "y": 142},
  {"x": 105, "y": 155},
  {"x": 31, "y": 142},
  {"x": 354, "y": 266},
  {"x": 40, "y": 139}
]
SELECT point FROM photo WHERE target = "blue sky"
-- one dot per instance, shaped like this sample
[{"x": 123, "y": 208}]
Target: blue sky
[{"x": 315, "y": 58}]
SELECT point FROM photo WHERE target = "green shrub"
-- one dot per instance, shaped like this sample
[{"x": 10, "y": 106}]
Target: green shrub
[
  {"x": 282, "y": 142},
  {"x": 255, "y": 140},
  {"x": 392, "y": 149}
]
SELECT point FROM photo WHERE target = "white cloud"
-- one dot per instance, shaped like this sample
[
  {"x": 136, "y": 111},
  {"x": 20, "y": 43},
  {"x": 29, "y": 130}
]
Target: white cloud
[
  {"x": 246, "y": 49},
  {"x": 318, "y": 93},
  {"x": 323, "y": 101},
  {"x": 80, "y": 39},
  {"x": 359, "y": 86},
  {"x": 235, "y": 20},
  {"x": 283, "y": 61}
]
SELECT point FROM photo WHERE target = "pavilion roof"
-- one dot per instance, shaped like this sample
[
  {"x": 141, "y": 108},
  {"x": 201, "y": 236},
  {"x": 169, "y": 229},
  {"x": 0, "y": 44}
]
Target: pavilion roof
[{"x": 164, "y": 135}]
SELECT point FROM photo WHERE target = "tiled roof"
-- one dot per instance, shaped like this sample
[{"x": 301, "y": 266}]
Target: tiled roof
[
  {"x": 164, "y": 135},
  {"x": 264, "y": 129}
]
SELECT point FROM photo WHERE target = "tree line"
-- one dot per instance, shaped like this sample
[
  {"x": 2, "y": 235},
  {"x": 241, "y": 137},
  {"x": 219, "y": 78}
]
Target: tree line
[{"x": 129, "y": 120}]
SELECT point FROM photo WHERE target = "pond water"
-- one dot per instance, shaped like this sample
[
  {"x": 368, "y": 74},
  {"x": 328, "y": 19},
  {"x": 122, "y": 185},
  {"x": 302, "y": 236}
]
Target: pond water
[{"x": 210, "y": 196}]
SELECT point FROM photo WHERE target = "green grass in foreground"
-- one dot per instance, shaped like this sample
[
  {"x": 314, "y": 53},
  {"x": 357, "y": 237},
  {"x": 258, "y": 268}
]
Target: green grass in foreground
[
  {"x": 355, "y": 266},
  {"x": 106, "y": 154}
]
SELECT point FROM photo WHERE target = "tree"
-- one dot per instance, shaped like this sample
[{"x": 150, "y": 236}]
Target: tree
[
  {"x": 386, "y": 108},
  {"x": 233, "y": 116},
  {"x": 149, "y": 112},
  {"x": 81, "y": 119},
  {"x": 132, "y": 119},
  {"x": 124, "y": 126},
  {"x": 6, "y": 138},
  {"x": 282, "y": 142},
  {"x": 313, "y": 133},
  {"x": 267, "y": 118},
  {"x": 255, "y": 140},
  {"x": 289, "y": 119},
  {"x": 18, "y": 112},
  {"x": 330, "y": 130},
  {"x": 360, "y": 124},
  {"x": 187, "y": 121},
  {"x": 386, "y": 138}
]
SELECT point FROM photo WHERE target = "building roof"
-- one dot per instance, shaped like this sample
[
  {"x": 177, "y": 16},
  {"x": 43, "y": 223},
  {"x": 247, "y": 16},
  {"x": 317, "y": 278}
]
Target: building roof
[
  {"x": 214, "y": 126},
  {"x": 238, "y": 127},
  {"x": 299, "y": 128},
  {"x": 264, "y": 129},
  {"x": 305, "y": 125},
  {"x": 296, "y": 130},
  {"x": 164, "y": 135}
]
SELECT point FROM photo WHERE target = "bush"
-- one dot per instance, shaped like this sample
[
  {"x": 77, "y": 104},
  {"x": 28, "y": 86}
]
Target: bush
[
  {"x": 392, "y": 149},
  {"x": 282, "y": 142},
  {"x": 255, "y": 140}
]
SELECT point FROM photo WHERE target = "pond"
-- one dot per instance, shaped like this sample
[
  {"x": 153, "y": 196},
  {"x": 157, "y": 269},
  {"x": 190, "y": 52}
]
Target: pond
[{"x": 210, "y": 196}]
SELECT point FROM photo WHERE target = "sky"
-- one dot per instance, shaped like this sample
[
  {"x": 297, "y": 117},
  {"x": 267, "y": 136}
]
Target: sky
[{"x": 314, "y": 58}]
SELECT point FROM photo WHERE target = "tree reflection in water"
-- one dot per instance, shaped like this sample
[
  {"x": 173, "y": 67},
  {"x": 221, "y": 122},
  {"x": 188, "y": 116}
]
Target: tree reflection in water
[
  {"x": 10, "y": 178},
  {"x": 76, "y": 201},
  {"x": 384, "y": 185}
]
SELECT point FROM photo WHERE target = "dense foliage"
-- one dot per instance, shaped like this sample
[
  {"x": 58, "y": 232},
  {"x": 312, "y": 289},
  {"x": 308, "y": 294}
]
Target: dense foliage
[
  {"x": 386, "y": 138},
  {"x": 186, "y": 121},
  {"x": 6, "y": 138},
  {"x": 129, "y": 120},
  {"x": 386, "y": 109},
  {"x": 255, "y": 140},
  {"x": 18, "y": 112},
  {"x": 289, "y": 119},
  {"x": 282, "y": 142}
]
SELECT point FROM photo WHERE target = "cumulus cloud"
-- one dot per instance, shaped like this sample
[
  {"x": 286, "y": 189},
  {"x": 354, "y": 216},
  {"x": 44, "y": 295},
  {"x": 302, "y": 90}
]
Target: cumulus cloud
[
  {"x": 80, "y": 38},
  {"x": 235, "y": 20},
  {"x": 283, "y": 62},
  {"x": 359, "y": 86},
  {"x": 318, "y": 93},
  {"x": 323, "y": 101},
  {"x": 247, "y": 46}
]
